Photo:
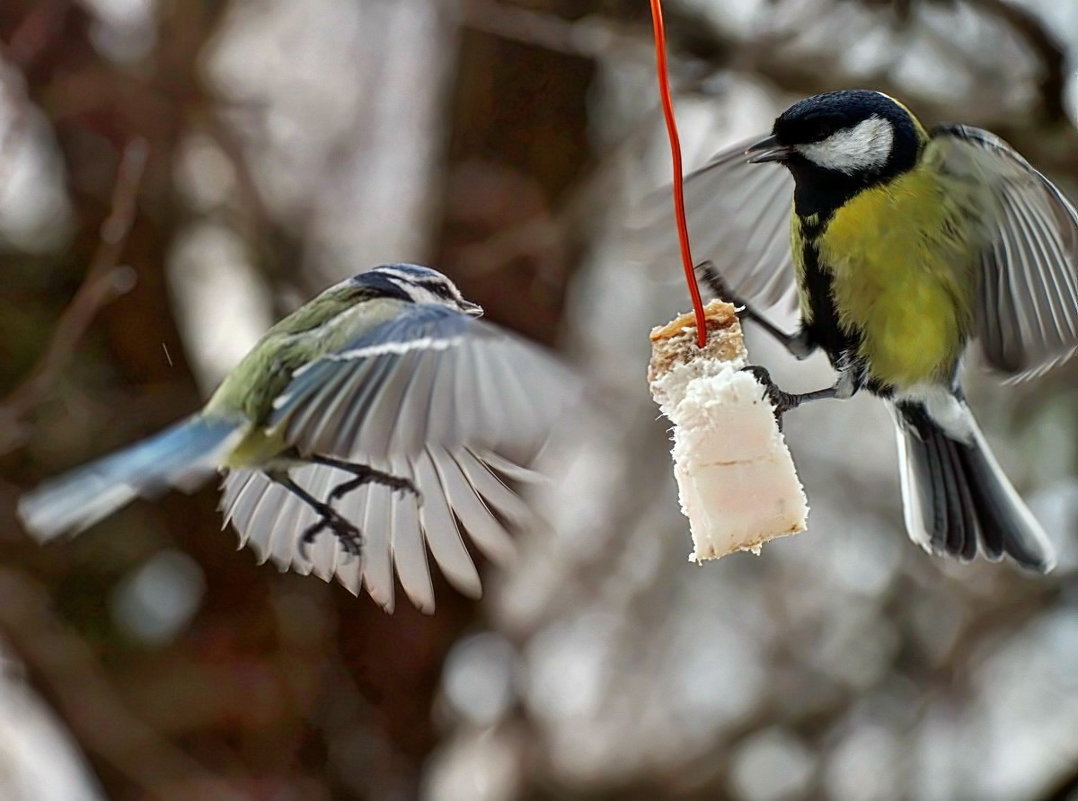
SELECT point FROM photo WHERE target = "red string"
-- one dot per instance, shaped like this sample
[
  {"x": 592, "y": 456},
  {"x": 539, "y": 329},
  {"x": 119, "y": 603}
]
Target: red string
[{"x": 679, "y": 190}]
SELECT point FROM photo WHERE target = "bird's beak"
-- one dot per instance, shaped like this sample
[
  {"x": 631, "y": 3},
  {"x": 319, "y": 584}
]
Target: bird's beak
[
  {"x": 767, "y": 149},
  {"x": 471, "y": 309}
]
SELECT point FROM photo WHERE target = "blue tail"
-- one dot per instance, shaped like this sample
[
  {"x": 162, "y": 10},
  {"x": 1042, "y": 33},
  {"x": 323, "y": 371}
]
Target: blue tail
[{"x": 181, "y": 456}]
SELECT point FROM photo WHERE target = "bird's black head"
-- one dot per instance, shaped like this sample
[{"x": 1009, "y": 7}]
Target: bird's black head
[{"x": 839, "y": 143}]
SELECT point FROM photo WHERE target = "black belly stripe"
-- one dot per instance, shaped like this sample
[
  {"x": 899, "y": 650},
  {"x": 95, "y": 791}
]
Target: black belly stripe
[
  {"x": 843, "y": 348},
  {"x": 817, "y": 284}
]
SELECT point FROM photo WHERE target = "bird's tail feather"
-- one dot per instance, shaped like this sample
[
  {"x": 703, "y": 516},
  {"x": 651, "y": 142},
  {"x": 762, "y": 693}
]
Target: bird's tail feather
[
  {"x": 181, "y": 456},
  {"x": 957, "y": 499}
]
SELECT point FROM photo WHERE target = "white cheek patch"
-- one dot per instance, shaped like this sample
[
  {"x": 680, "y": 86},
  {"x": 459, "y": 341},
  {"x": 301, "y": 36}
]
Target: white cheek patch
[{"x": 865, "y": 146}]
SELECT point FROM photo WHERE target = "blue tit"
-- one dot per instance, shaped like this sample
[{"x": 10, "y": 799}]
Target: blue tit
[
  {"x": 377, "y": 420},
  {"x": 897, "y": 247}
]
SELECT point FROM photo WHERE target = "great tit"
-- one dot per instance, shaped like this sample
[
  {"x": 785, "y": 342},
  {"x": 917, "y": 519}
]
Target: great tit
[
  {"x": 378, "y": 419},
  {"x": 904, "y": 245}
]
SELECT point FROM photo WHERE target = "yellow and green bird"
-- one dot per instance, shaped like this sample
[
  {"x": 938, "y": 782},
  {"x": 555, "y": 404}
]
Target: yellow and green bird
[{"x": 904, "y": 246}]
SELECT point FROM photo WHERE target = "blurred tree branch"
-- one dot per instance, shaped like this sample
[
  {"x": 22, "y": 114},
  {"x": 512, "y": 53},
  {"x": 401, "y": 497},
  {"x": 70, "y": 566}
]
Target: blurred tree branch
[
  {"x": 1052, "y": 85},
  {"x": 105, "y": 279},
  {"x": 695, "y": 35}
]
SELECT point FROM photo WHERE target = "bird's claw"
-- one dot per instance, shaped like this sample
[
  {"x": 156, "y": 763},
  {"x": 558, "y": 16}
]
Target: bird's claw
[
  {"x": 780, "y": 401},
  {"x": 395, "y": 483},
  {"x": 717, "y": 284},
  {"x": 347, "y": 534}
]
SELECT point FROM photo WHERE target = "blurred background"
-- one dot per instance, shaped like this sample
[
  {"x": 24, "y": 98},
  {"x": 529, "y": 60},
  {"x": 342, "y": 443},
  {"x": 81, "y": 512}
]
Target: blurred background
[{"x": 176, "y": 174}]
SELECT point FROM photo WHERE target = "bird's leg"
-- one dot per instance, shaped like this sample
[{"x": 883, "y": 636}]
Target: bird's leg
[
  {"x": 785, "y": 401},
  {"x": 364, "y": 474},
  {"x": 799, "y": 344},
  {"x": 346, "y": 533}
]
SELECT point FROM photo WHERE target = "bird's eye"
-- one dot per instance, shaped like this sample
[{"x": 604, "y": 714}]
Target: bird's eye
[
  {"x": 440, "y": 290},
  {"x": 815, "y": 129}
]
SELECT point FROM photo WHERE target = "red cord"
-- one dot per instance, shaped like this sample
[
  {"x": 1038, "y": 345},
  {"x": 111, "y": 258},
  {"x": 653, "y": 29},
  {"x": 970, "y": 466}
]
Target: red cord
[{"x": 679, "y": 190}]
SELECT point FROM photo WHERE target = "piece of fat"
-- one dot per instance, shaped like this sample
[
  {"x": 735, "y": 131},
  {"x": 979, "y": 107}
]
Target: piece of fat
[{"x": 736, "y": 479}]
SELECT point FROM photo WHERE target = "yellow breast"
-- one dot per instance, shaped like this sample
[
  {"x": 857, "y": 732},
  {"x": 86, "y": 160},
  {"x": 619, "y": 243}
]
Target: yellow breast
[{"x": 902, "y": 270}]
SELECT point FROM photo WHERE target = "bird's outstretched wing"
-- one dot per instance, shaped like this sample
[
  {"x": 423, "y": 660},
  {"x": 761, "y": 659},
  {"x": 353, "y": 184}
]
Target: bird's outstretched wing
[
  {"x": 739, "y": 219},
  {"x": 446, "y": 401},
  {"x": 431, "y": 374},
  {"x": 1027, "y": 302}
]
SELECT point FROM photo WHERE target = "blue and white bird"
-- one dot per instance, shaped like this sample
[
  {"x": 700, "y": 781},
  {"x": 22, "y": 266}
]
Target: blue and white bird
[{"x": 377, "y": 420}]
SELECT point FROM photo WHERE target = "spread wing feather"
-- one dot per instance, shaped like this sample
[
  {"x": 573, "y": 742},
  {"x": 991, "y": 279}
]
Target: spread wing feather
[
  {"x": 434, "y": 396},
  {"x": 461, "y": 491},
  {"x": 1027, "y": 304},
  {"x": 376, "y": 396},
  {"x": 436, "y": 514},
  {"x": 739, "y": 218},
  {"x": 408, "y": 545}
]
